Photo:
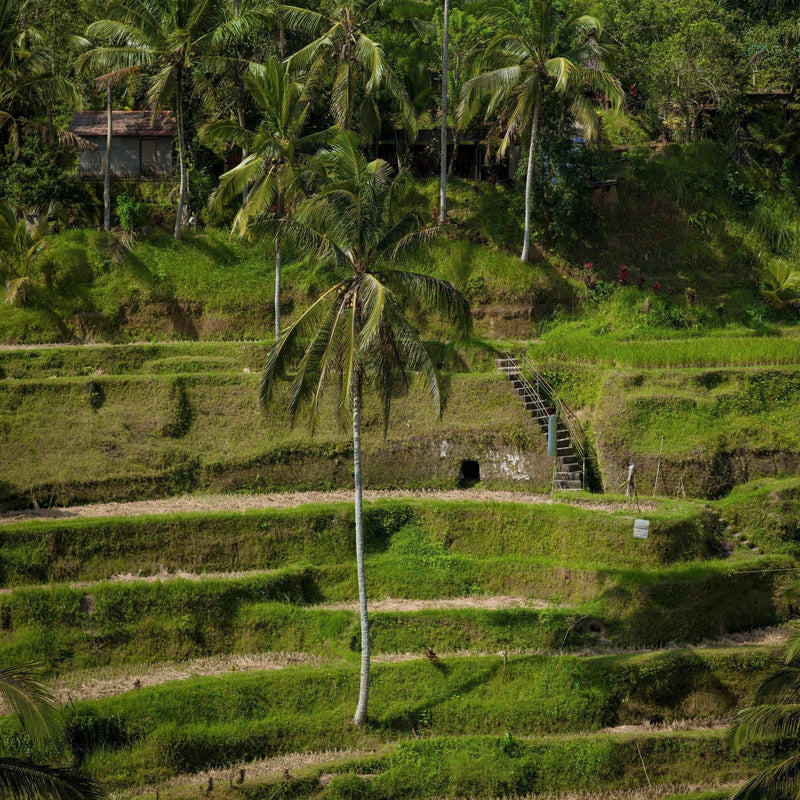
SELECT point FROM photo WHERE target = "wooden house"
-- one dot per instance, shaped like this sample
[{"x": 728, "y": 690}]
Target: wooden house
[{"x": 141, "y": 144}]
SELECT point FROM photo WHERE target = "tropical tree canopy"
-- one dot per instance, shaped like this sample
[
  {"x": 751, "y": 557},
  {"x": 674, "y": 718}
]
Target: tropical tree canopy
[
  {"x": 29, "y": 81},
  {"x": 352, "y": 219},
  {"x": 269, "y": 171},
  {"x": 169, "y": 38}
]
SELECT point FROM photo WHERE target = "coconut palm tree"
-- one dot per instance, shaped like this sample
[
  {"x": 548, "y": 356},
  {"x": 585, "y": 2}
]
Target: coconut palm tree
[
  {"x": 443, "y": 132},
  {"x": 344, "y": 44},
  {"x": 356, "y": 334},
  {"x": 270, "y": 168},
  {"x": 33, "y": 706},
  {"x": 538, "y": 50},
  {"x": 169, "y": 37}
]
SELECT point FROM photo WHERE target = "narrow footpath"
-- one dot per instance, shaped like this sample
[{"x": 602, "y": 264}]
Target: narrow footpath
[{"x": 248, "y": 502}]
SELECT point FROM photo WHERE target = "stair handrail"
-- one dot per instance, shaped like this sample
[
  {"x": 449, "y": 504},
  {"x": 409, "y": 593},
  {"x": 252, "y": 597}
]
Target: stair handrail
[
  {"x": 509, "y": 365},
  {"x": 576, "y": 435}
]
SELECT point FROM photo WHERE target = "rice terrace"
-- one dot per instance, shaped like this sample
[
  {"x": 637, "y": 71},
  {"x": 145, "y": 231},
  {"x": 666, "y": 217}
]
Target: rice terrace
[{"x": 399, "y": 399}]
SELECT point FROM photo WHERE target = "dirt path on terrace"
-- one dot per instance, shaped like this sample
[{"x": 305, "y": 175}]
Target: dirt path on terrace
[
  {"x": 247, "y": 502},
  {"x": 282, "y": 766},
  {"x": 110, "y": 681}
]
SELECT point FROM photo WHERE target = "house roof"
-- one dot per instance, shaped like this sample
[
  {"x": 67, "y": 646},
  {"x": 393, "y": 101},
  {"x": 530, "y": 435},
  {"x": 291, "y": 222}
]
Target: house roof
[{"x": 123, "y": 123}]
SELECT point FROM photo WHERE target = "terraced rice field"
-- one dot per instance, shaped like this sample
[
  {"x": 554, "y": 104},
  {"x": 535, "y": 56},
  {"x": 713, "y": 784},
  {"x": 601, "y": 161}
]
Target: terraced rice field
[{"x": 524, "y": 644}]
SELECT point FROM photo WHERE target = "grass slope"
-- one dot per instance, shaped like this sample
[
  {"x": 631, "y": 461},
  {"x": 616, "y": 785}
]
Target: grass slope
[
  {"x": 160, "y": 434},
  {"x": 152, "y": 733}
]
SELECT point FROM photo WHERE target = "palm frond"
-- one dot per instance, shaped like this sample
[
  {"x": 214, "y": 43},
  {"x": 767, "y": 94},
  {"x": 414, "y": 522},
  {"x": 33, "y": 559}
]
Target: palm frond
[
  {"x": 343, "y": 94},
  {"x": 765, "y": 723},
  {"x": 224, "y": 131},
  {"x": 777, "y": 781},
  {"x": 310, "y": 379},
  {"x": 492, "y": 81},
  {"x": 302, "y": 20},
  {"x": 792, "y": 646},
  {"x": 25, "y": 695},
  {"x": 292, "y": 343},
  {"x": 433, "y": 293},
  {"x": 235, "y": 30},
  {"x": 27, "y": 781},
  {"x": 501, "y": 18},
  {"x": 369, "y": 54}
]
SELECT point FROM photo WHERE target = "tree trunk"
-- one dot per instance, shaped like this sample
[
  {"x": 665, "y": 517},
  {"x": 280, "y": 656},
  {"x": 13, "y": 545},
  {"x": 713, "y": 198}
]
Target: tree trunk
[
  {"x": 240, "y": 104},
  {"x": 454, "y": 153},
  {"x": 443, "y": 155},
  {"x": 277, "y": 286},
  {"x": 360, "y": 717},
  {"x": 526, "y": 241},
  {"x": 240, "y": 117},
  {"x": 107, "y": 171},
  {"x": 184, "y": 178}
]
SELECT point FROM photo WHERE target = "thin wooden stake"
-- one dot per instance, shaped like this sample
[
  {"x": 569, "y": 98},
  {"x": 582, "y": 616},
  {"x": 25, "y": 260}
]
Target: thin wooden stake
[
  {"x": 658, "y": 466},
  {"x": 638, "y": 750}
]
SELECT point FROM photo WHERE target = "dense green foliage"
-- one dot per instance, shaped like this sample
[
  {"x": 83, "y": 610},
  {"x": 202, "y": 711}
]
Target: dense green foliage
[{"x": 661, "y": 303}]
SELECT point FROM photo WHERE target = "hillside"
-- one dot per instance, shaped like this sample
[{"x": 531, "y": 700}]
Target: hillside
[{"x": 182, "y": 562}]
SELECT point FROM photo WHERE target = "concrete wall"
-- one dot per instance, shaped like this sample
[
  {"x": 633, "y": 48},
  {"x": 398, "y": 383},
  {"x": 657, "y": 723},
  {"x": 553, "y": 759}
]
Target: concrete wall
[{"x": 126, "y": 159}]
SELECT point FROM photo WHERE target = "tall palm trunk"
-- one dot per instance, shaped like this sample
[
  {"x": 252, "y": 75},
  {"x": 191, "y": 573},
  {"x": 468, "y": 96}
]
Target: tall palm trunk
[
  {"x": 443, "y": 155},
  {"x": 240, "y": 117},
  {"x": 453, "y": 153},
  {"x": 277, "y": 286},
  {"x": 526, "y": 241},
  {"x": 240, "y": 109},
  {"x": 184, "y": 178},
  {"x": 360, "y": 717},
  {"x": 107, "y": 171}
]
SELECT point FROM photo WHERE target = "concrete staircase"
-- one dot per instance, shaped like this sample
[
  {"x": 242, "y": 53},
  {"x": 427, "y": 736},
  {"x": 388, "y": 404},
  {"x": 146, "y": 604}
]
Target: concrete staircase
[{"x": 541, "y": 400}]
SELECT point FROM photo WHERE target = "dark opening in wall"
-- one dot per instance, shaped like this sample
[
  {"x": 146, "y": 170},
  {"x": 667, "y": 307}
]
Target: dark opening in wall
[{"x": 470, "y": 474}]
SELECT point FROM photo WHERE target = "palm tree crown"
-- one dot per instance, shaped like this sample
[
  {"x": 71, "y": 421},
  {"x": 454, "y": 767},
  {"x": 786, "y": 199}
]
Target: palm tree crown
[
  {"x": 351, "y": 219},
  {"x": 29, "y": 81},
  {"x": 343, "y": 41}
]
